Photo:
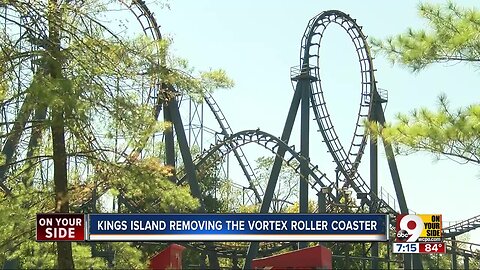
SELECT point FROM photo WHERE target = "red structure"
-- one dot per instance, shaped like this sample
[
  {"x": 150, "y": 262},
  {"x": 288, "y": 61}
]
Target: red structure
[
  {"x": 318, "y": 257},
  {"x": 169, "y": 258}
]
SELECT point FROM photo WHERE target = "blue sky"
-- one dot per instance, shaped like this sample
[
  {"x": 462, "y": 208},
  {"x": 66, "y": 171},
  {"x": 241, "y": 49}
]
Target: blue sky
[{"x": 257, "y": 42}]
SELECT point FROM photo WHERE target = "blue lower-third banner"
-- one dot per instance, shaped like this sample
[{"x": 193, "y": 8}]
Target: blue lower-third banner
[{"x": 237, "y": 227}]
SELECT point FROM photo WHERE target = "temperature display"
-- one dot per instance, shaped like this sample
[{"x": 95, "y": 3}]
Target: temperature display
[{"x": 432, "y": 247}]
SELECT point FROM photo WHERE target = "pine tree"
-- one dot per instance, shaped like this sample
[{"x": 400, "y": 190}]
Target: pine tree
[{"x": 452, "y": 36}]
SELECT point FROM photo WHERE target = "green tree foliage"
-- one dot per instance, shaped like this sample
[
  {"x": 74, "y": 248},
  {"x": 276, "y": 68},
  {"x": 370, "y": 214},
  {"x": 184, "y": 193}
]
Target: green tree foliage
[
  {"x": 451, "y": 36},
  {"x": 83, "y": 82},
  {"x": 286, "y": 188},
  {"x": 441, "y": 132},
  {"x": 142, "y": 181},
  {"x": 218, "y": 192}
]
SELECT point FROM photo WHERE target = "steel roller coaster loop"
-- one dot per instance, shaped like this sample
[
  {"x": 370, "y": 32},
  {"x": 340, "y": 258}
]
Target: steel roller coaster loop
[
  {"x": 309, "y": 52},
  {"x": 307, "y": 76},
  {"x": 309, "y": 93},
  {"x": 310, "y": 60},
  {"x": 233, "y": 142},
  {"x": 370, "y": 98},
  {"x": 347, "y": 162}
]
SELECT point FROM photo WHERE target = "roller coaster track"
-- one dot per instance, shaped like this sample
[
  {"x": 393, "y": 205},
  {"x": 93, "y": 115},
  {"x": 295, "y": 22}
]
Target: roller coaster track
[
  {"x": 310, "y": 50},
  {"x": 233, "y": 142},
  {"x": 270, "y": 142},
  {"x": 310, "y": 62},
  {"x": 326, "y": 127},
  {"x": 462, "y": 227},
  {"x": 237, "y": 151},
  {"x": 463, "y": 248},
  {"x": 347, "y": 161},
  {"x": 239, "y": 249},
  {"x": 146, "y": 19},
  {"x": 310, "y": 53},
  {"x": 151, "y": 29}
]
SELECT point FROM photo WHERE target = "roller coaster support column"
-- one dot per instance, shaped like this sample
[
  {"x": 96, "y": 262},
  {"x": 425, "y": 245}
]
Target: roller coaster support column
[
  {"x": 454, "y": 254},
  {"x": 190, "y": 171},
  {"x": 169, "y": 141},
  {"x": 374, "y": 168},
  {"x": 303, "y": 85},
  {"x": 277, "y": 165},
  {"x": 411, "y": 261},
  {"x": 466, "y": 265},
  {"x": 322, "y": 202}
]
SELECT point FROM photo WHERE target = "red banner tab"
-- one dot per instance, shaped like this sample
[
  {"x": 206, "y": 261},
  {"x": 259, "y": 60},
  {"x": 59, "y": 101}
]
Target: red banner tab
[
  {"x": 60, "y": 227},
  {"x": 430, "y": 248}
]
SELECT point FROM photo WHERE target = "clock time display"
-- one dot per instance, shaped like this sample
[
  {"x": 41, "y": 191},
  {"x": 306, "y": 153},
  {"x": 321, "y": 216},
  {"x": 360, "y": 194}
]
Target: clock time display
[{"x": 406, "y": 248}]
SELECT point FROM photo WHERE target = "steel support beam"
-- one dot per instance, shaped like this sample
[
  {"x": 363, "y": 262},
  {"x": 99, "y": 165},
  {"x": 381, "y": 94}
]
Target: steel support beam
[
  {"x": 277, "y": 165},
  {"x": 411, "y": 261},
  {"x": 466, "y": 262},
  {"x": 169, "y": 141},
  {"x": 39, "y": 115},
  {"x": 374, "y": 190},
  {"x": 304, "y": 86},
  {"x": 392, "y": 164},
  {"x": 454, "y": 254},
  {"x": 191, "y": 173},
  {"x": 185, "y": 152},
  {"x": 322, "y": 203},
  {"x": 374, "y": 171}
]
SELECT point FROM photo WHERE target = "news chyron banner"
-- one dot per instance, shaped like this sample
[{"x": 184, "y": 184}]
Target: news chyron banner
[
  {"x": 212, "y": 227},
  {"x": 419, "y": 234},
  {"x": 61, "y": 227}
]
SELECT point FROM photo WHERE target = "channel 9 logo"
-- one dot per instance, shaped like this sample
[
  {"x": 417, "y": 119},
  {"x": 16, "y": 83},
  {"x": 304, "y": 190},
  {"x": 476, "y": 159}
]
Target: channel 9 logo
[{"x": 419, "y": 228}]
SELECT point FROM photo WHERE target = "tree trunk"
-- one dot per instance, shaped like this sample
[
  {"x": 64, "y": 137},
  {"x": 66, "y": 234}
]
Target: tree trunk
[
  {"x": 64, "y": 249},
  {"x": 14, "y": 138},
  {"x": 36, "y": 136}
]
